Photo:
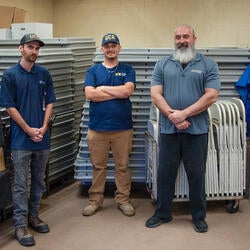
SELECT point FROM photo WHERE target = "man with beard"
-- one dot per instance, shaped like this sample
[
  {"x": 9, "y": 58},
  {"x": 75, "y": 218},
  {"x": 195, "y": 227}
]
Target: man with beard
[
  {"x": 27, "y": 92},
  {"x": 183, "y": 86},
  {"x": 108, "y": 86}
]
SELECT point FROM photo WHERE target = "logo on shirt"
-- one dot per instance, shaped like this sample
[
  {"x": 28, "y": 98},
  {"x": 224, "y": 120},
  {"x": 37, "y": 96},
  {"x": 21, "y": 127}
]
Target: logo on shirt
[
  {"x": 120, "y": 74},
  {"x": 196, "y": 71}
]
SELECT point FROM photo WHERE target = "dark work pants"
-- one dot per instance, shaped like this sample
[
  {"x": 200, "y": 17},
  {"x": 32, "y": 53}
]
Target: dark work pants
[{"x": 192, "y": 149}]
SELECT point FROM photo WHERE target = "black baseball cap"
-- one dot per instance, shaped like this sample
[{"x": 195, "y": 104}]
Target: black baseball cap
[{"x": 27, "y": 38}]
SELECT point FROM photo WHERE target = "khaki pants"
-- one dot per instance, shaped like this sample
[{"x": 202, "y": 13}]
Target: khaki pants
[{"x": 100, "y": 143}]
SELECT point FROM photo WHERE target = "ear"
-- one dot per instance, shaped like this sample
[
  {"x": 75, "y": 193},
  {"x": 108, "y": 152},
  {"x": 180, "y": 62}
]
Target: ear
[{"x": 20, "y": 48}]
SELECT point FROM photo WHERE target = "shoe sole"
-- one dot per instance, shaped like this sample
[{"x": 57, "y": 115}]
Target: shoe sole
[
  {"x": 26, "y": 244},
  {"x": 40, "y": 230},
  {"x": 200, "y": 231},
  {"x": 88, "y": 214},
  {"x": 124, "y": 213}
]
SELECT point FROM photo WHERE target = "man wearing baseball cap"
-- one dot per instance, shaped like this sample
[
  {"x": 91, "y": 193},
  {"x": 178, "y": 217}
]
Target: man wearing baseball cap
[
  {"x": 27, "y": 93},
  {"x": 108, "y": 86},
  {"x": 27, "y": 38},
  {"x": 110, "y": 38}
]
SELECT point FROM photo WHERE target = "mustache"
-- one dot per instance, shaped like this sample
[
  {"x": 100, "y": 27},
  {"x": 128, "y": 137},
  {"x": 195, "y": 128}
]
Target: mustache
[{"x": 180, "y": 45}]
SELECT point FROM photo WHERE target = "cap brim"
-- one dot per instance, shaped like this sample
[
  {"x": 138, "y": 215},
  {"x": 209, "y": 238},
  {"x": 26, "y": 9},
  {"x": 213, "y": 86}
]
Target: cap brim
[
  {"x": 110, "y": 42},
  {"x": 41, "y": 43}
]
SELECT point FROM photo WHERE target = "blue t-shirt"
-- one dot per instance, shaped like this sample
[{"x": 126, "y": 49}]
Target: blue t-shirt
[
  {"x": 29, "y": 93},
  {"x": 183, "y": 87},
  {"x": 113, "y": 114}
]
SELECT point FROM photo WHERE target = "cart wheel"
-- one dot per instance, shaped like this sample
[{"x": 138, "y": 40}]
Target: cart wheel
[{"x": 233, "y": 206}]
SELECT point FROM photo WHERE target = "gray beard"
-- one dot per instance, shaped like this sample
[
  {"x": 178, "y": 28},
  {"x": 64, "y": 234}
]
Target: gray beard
[{"x": 184, "y": 56}]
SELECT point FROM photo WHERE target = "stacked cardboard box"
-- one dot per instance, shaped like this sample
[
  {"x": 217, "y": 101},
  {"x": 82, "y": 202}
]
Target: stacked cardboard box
[{"x": 8, "y": 16}]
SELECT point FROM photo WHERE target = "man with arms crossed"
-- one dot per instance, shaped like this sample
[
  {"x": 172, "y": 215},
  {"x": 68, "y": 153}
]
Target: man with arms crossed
[{"x": 108, "y": 86}]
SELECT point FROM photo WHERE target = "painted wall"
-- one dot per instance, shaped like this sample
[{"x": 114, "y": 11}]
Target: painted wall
[
  {"x": 144, "y": 23},
  {"x": 150, "y": 23}
]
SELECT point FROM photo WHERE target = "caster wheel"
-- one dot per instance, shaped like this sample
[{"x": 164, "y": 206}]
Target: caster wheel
[{"x": 232, "y": 206}]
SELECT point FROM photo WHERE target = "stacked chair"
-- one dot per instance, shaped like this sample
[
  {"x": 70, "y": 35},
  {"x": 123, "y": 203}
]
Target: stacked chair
[{"x": 226, "y": 161}]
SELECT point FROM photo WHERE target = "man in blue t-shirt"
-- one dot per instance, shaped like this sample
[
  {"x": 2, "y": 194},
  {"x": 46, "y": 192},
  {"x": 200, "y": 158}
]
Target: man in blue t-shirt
[
  {"x": 183, "y": 86},
  {"x": 108, "y": 86},
  {"x": 27, "y": 93}
]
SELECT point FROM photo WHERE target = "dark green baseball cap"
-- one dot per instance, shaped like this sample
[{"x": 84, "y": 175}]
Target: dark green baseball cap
[{"x": 27, "y": 38}]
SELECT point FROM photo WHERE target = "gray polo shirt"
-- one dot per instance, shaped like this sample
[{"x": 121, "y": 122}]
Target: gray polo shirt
[{"x": 183, "y": 87}]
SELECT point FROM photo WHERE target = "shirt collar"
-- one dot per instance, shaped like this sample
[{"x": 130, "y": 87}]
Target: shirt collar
[{"x": 32, "y": 71}]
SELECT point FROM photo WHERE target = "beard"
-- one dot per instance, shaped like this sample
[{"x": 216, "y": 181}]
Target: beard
[
  {"x": 32, "y": 58},
  {"x": 184, "y": 54}
]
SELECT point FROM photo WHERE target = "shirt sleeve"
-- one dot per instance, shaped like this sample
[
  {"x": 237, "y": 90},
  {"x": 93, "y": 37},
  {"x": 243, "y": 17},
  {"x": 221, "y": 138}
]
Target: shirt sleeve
[
  {"x": 51, "y": 98},
  {"x": 213, "y": 76},
  {"x": 130, "y": 76},
  {"x": 90, "y": 78},
  {"x": 157, "y": 74},
  {"x": 7, "y": 91}
]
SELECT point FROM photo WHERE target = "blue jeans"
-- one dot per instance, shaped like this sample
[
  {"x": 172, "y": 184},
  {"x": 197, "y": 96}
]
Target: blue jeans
[
  {"x": 192, "y": 149},
  {"x": 26, "y": 202}
]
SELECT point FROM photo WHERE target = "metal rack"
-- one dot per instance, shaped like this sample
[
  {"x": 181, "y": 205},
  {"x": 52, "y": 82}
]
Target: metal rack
[
  {"x": 231, "y": 62},
  {"x": 67, "y": 59}
]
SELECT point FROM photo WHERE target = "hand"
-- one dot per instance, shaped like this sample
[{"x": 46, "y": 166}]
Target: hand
[
  {"x": 36, "y": 134},
  {"x": 183, "y": 125},
  {"x": 43, "y": 130},
  {"x": 177, "y": 116}
]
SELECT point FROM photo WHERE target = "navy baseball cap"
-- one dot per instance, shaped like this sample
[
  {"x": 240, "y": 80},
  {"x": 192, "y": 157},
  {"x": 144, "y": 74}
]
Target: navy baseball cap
[
  {"x": 110, "y": 38},
  {"x": 27, "y": 38}
]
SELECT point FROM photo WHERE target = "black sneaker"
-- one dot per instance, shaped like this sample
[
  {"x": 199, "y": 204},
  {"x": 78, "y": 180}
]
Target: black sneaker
[
  {"x": 24, "y": 237},
  {"x": 38, "y": 225},
  {"x": 156, "y": 221},
  {"x": 200, "y": 226}
]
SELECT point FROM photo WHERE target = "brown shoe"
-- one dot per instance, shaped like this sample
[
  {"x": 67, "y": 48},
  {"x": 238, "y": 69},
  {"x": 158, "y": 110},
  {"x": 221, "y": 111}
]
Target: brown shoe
[
  {"x": 38, "y": 225},
  {"x": 127, "y": 209},
  {"x": 24, "y": 237},
  {"x": 90, "y": 210}
]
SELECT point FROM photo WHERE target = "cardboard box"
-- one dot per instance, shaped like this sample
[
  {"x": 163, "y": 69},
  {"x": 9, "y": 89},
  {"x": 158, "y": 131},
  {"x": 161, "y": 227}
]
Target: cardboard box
[
  {"x": 43, "y": 30},
  {"x": 19, "y": 16},
  {"x": 5, "y": 34},
  {"x": 11, "y": 15}
]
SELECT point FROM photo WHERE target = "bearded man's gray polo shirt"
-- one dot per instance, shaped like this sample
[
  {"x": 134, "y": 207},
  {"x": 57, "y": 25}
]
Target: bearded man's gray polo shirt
[{"x": 183, "y": 87}]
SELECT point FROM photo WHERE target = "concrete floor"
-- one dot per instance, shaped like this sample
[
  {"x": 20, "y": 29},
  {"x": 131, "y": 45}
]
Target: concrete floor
[{"x": 110, "y": 230}]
